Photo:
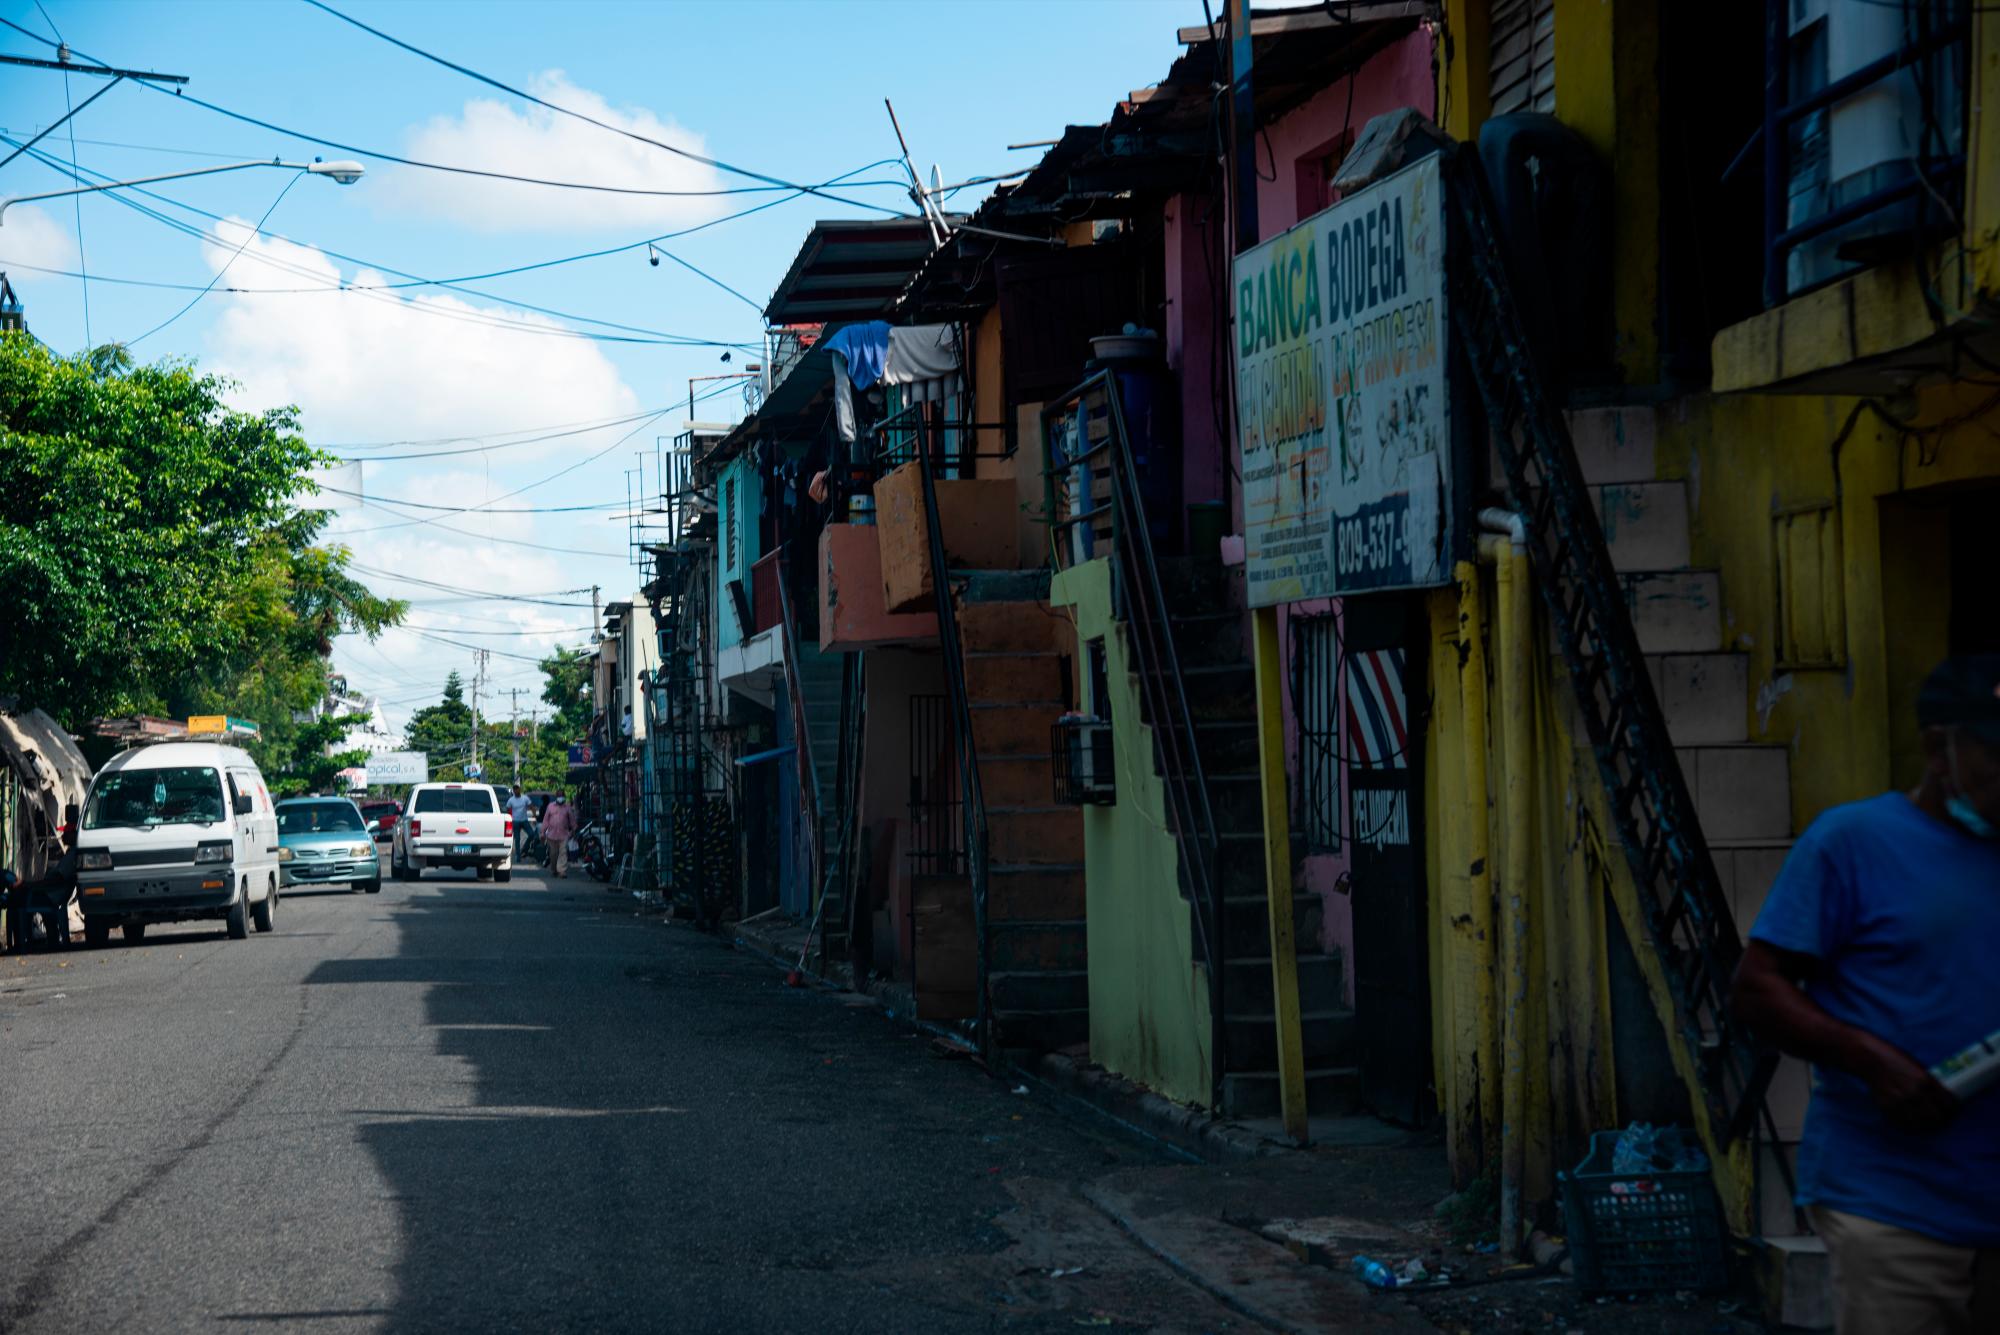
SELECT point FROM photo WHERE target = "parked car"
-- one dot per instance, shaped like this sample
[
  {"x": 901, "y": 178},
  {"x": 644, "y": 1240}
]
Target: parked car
[
  {"x": 325, "y": 841},
  {"x": 453, "y": 825},
  {"x": 381, "y": 813},
  {"x": 177, "y": 831}
]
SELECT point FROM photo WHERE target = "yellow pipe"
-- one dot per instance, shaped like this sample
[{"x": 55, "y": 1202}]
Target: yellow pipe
[
  {"x": 1513, "y": 633},
  {"x": 1479, "y": 875}
]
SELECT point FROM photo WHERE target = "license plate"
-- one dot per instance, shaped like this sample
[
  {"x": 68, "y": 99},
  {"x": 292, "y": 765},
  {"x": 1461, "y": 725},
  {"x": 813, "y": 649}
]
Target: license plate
[
  {"x": 461, "y": 848},
  {"x": 153, "y": 888}
]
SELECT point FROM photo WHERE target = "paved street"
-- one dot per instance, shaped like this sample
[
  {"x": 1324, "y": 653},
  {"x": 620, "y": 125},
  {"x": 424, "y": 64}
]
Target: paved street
[{"x": 460, "y": 1105}]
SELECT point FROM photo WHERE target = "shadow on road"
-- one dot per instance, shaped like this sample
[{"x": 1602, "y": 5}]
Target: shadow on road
[{"x": 645, "y": 1129}]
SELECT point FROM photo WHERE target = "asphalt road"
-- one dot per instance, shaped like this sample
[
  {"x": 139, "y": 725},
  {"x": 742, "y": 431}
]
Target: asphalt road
[{"x": 465, "y": 1106}]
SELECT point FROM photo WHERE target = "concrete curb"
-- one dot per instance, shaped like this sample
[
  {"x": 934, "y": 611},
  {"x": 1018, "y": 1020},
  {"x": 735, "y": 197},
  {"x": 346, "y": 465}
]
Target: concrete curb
[{"x": 1188, "y": 1131}]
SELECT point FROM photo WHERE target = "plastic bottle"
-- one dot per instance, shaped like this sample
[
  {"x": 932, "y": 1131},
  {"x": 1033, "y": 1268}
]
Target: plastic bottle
[
  {"x": 1373, "y": 1273},
  {"x": 1968, "y": 1072}
]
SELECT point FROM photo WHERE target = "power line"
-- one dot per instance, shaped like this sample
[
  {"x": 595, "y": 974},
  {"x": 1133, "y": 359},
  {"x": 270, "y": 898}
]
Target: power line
[
  {"x": 378, "y": 291},
  {"x": 131, "y": 342},
  {"x": 482, "y": 509},
  {"x": 481, "y": 449},
  {"x": 675, "y": 149},
  {"x": 467, "y": 533}
]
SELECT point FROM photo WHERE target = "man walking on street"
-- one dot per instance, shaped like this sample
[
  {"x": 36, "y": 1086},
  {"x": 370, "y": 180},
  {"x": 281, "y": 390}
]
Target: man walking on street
[
  {"x": 558, "y": 824},
  {"x": 522, "y": 808},
  {"x": 1873, "y": 960}
]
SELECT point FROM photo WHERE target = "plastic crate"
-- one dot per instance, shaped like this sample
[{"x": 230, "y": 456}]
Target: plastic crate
[{"x": 1642, "y": 1232}]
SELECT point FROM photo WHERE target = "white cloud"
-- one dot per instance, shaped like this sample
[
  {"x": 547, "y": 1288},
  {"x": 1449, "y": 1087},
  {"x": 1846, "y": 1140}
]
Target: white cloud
[
  {"x": 28, "y": 235},
  {"x": 533, "y": 141},
  {"x": 370, "y": 366}
]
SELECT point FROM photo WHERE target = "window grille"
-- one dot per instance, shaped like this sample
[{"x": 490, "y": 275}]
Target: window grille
[{"x": 1316, "y": 706}]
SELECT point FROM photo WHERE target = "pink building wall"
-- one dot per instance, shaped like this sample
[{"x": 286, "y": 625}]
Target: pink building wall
[{"x": 1302, "y": 147}]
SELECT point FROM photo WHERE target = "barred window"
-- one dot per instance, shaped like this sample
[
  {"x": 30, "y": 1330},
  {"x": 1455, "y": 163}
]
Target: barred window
[{"x": 1316, "y": 706}]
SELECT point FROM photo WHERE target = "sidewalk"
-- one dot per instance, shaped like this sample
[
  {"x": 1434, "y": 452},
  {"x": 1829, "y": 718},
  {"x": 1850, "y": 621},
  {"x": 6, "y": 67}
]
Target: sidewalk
[{"x": 1271, "y": 1231}]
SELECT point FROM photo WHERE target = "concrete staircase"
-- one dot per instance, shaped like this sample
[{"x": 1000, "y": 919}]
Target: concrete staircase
[
  {"x": 1039, "y": 964},
  {"x": 1222, "y": 695},
  {"x": 1741, "y": 789}
]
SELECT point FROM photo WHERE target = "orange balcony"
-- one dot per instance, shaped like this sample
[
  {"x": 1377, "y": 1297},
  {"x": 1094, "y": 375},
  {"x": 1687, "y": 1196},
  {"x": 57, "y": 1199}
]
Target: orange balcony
[
  {"x": 981, "y": 532},
  {"x": 853, "y": 611}
]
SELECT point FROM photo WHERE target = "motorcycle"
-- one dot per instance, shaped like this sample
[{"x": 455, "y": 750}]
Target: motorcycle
[{"x": 593, "y": 850}]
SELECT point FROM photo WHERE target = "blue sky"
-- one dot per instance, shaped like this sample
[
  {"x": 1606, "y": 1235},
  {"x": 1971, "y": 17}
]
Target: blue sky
[{"x": 791, "y": 90}]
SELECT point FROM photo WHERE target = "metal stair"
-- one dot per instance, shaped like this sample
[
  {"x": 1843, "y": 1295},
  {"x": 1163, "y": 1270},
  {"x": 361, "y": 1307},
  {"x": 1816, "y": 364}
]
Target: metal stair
[{"x": 1597, "y": 625}]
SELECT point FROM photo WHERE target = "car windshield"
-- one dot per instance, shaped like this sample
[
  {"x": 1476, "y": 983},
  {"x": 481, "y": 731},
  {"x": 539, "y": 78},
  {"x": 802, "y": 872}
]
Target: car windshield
[
  {"x": 454, "y": 800},
  {"x": 317, "y": 817},
  {"x": 182, "y": 795},
  {"x": 377, "y": 810}
]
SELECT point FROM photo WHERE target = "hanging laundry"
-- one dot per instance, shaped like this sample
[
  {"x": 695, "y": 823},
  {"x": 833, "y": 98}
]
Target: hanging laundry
[{"x": 865, "y": 346}]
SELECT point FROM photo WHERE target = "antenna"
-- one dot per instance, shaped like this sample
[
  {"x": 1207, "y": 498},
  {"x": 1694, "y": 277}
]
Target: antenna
[{"x": 940, "y": 231}]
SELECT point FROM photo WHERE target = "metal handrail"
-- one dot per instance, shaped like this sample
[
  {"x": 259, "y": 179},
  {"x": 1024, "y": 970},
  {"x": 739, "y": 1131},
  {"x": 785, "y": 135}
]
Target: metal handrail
[
  {"x": 1137, "y": 572},
  {"x": 974, "y": 811},
  {"x": 801, "y": 725}
]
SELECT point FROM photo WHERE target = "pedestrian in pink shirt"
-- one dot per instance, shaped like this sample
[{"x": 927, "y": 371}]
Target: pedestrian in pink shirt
[{"x": 558, "y": 824}]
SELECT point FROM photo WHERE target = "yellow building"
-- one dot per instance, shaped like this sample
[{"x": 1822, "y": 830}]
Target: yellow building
[{"x": 1793, "y": 447}]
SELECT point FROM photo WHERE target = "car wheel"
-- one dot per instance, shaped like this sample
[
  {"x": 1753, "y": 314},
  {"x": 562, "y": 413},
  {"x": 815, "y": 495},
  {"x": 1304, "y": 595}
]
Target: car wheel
[
  {"x": 373, "y": 887},
  {"x": 135, "y": 932},
  {"x": 238, "y": 920},
  {"x": 265, "y": 912},
  {"x": 504, "y": 874},
  {"x": 485, "y": 873},
  {"x": 96, "y": 933}
]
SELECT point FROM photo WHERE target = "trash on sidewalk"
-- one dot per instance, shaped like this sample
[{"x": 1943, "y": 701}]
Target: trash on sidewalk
[
  {"x": 1020, "y": 1089},
  {"x": 1373, "y": 1273}
]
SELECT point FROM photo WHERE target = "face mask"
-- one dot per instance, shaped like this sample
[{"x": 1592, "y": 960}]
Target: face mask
[{"x": 1960, "y": 807}]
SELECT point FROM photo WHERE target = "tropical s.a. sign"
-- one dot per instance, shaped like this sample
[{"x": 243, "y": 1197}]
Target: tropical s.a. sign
[{"x": 1341, "y": 359}]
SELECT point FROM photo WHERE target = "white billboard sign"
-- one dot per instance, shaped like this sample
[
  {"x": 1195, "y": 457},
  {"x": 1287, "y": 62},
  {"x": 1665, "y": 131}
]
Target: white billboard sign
[
  {"x": 399, "y": 767},
  {"x": 1341, "y": 393}
]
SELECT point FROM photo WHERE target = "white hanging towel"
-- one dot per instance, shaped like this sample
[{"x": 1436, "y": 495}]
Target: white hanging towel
[{"x": 923, "y": 357}]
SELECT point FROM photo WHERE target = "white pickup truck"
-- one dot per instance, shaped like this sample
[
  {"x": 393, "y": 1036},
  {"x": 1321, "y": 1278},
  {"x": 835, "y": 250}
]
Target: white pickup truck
[{"x": 453, "y": 825}]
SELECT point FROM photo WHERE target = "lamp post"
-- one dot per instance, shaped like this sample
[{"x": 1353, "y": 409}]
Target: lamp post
[{"x": 342, "y": 173}]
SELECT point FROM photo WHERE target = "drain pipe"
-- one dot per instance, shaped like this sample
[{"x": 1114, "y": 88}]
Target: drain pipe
[
  {"x": 1479, "y": 935},
  {"x": 1513, "y": 635}
]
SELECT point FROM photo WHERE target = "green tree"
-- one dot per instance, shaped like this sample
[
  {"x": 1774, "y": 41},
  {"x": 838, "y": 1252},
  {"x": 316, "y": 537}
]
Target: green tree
[
  {"x": 151, "y": 549},
  {"x": 567, "y": 688},
  {"x": 443, "y": 731},
  {"x": 308, "y": 766}
]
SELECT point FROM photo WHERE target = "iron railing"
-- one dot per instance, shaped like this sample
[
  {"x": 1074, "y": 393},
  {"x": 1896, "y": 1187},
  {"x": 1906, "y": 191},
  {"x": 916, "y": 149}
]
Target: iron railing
[
  {"x": 1938, "y": 33},
  {"x": 842, "y": 883},
  {"x": 1095, "y": 453},
  {"x": 801, "y": 722},
  {"x": 972, "y": 795},
  {"x": 937, "y": 817},
  {"x": 1692, "y": 931}
]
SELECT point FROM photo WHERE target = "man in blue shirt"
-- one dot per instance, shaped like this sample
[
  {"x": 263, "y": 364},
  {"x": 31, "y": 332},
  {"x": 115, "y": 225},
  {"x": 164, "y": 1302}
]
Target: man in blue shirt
[{"x": 1874, "y": 959}]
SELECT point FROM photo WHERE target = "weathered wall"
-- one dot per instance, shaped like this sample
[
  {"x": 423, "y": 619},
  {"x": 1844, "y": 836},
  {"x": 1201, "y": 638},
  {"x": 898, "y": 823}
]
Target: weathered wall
[{"x": 1149, "y": 1016}]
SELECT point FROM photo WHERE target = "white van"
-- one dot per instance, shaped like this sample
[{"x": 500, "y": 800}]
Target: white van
[{"x": 177, "y": 831}]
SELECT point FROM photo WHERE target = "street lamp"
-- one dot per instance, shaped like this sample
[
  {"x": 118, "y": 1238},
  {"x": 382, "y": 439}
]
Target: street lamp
[{"x": 342, "y": 172}]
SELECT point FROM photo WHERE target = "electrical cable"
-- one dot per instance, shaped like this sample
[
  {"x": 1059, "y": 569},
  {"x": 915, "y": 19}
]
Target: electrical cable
[
  {"x": 377, "y": 291},
  {"x": 481, "y": 509},
  {"x": 525, "y": 96},
  {"x": 580, "y": 430},
  {"x": 467, "y": 533},
  {"x": 134, "y": 342}
]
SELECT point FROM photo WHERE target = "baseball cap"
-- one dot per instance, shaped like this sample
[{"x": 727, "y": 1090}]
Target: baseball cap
[{"x": 1963, "y": 692}]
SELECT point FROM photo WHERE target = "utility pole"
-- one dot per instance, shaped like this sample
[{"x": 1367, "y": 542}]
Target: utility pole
[
  {"x": 514, "y": 726},
  {"x": 478, "y": 679},
  {"x": 596, "y": 617}
]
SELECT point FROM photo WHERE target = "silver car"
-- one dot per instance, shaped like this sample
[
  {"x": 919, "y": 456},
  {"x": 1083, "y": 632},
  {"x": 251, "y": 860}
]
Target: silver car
[{"x": 325, "y": 841}]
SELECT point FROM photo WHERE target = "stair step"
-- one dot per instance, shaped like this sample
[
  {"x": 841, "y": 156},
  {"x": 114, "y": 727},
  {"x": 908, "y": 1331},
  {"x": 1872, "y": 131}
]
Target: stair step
[
  {"x": 1209, "y": 639},
  {"x": 1228, "y": 746},
  {"x": 1247, "y": 919},
  {"x": 1014, "y": 676},
  {"x": 1645, "y": 524},
  {"x": 1047, "y": 990},
  {"x": 1330, "y": 1092},
  {"x": 1010, "y": 627},
  {"x": 1327, "y": 1037},
  {"x": 1047, "y": 1030},
  {"x": 1706, "y": 697},
  {"x": 1046, "y": 891},
  {"x": 1034, "y": 834},
  {"x": 1008, "y": 729},
  {"x": 1676, "y": 612},
  {"x": 1747, "y": 870},
  {"x": 1614, "y": 444},
  {"x": 1039, "y": 947},
  {"x": 1220, "y": 693},
  {"x": 1247, "y": 983},
  {"x": 1741, "y": 792}
]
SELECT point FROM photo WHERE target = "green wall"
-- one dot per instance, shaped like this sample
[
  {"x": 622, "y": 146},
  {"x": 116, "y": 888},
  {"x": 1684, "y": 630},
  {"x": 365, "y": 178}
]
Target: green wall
[{"x": 1148, "y": 998}]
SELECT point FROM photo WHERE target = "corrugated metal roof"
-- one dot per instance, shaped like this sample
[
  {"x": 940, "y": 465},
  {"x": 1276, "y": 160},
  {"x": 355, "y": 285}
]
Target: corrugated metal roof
[{"x": 849, "y": 270}]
